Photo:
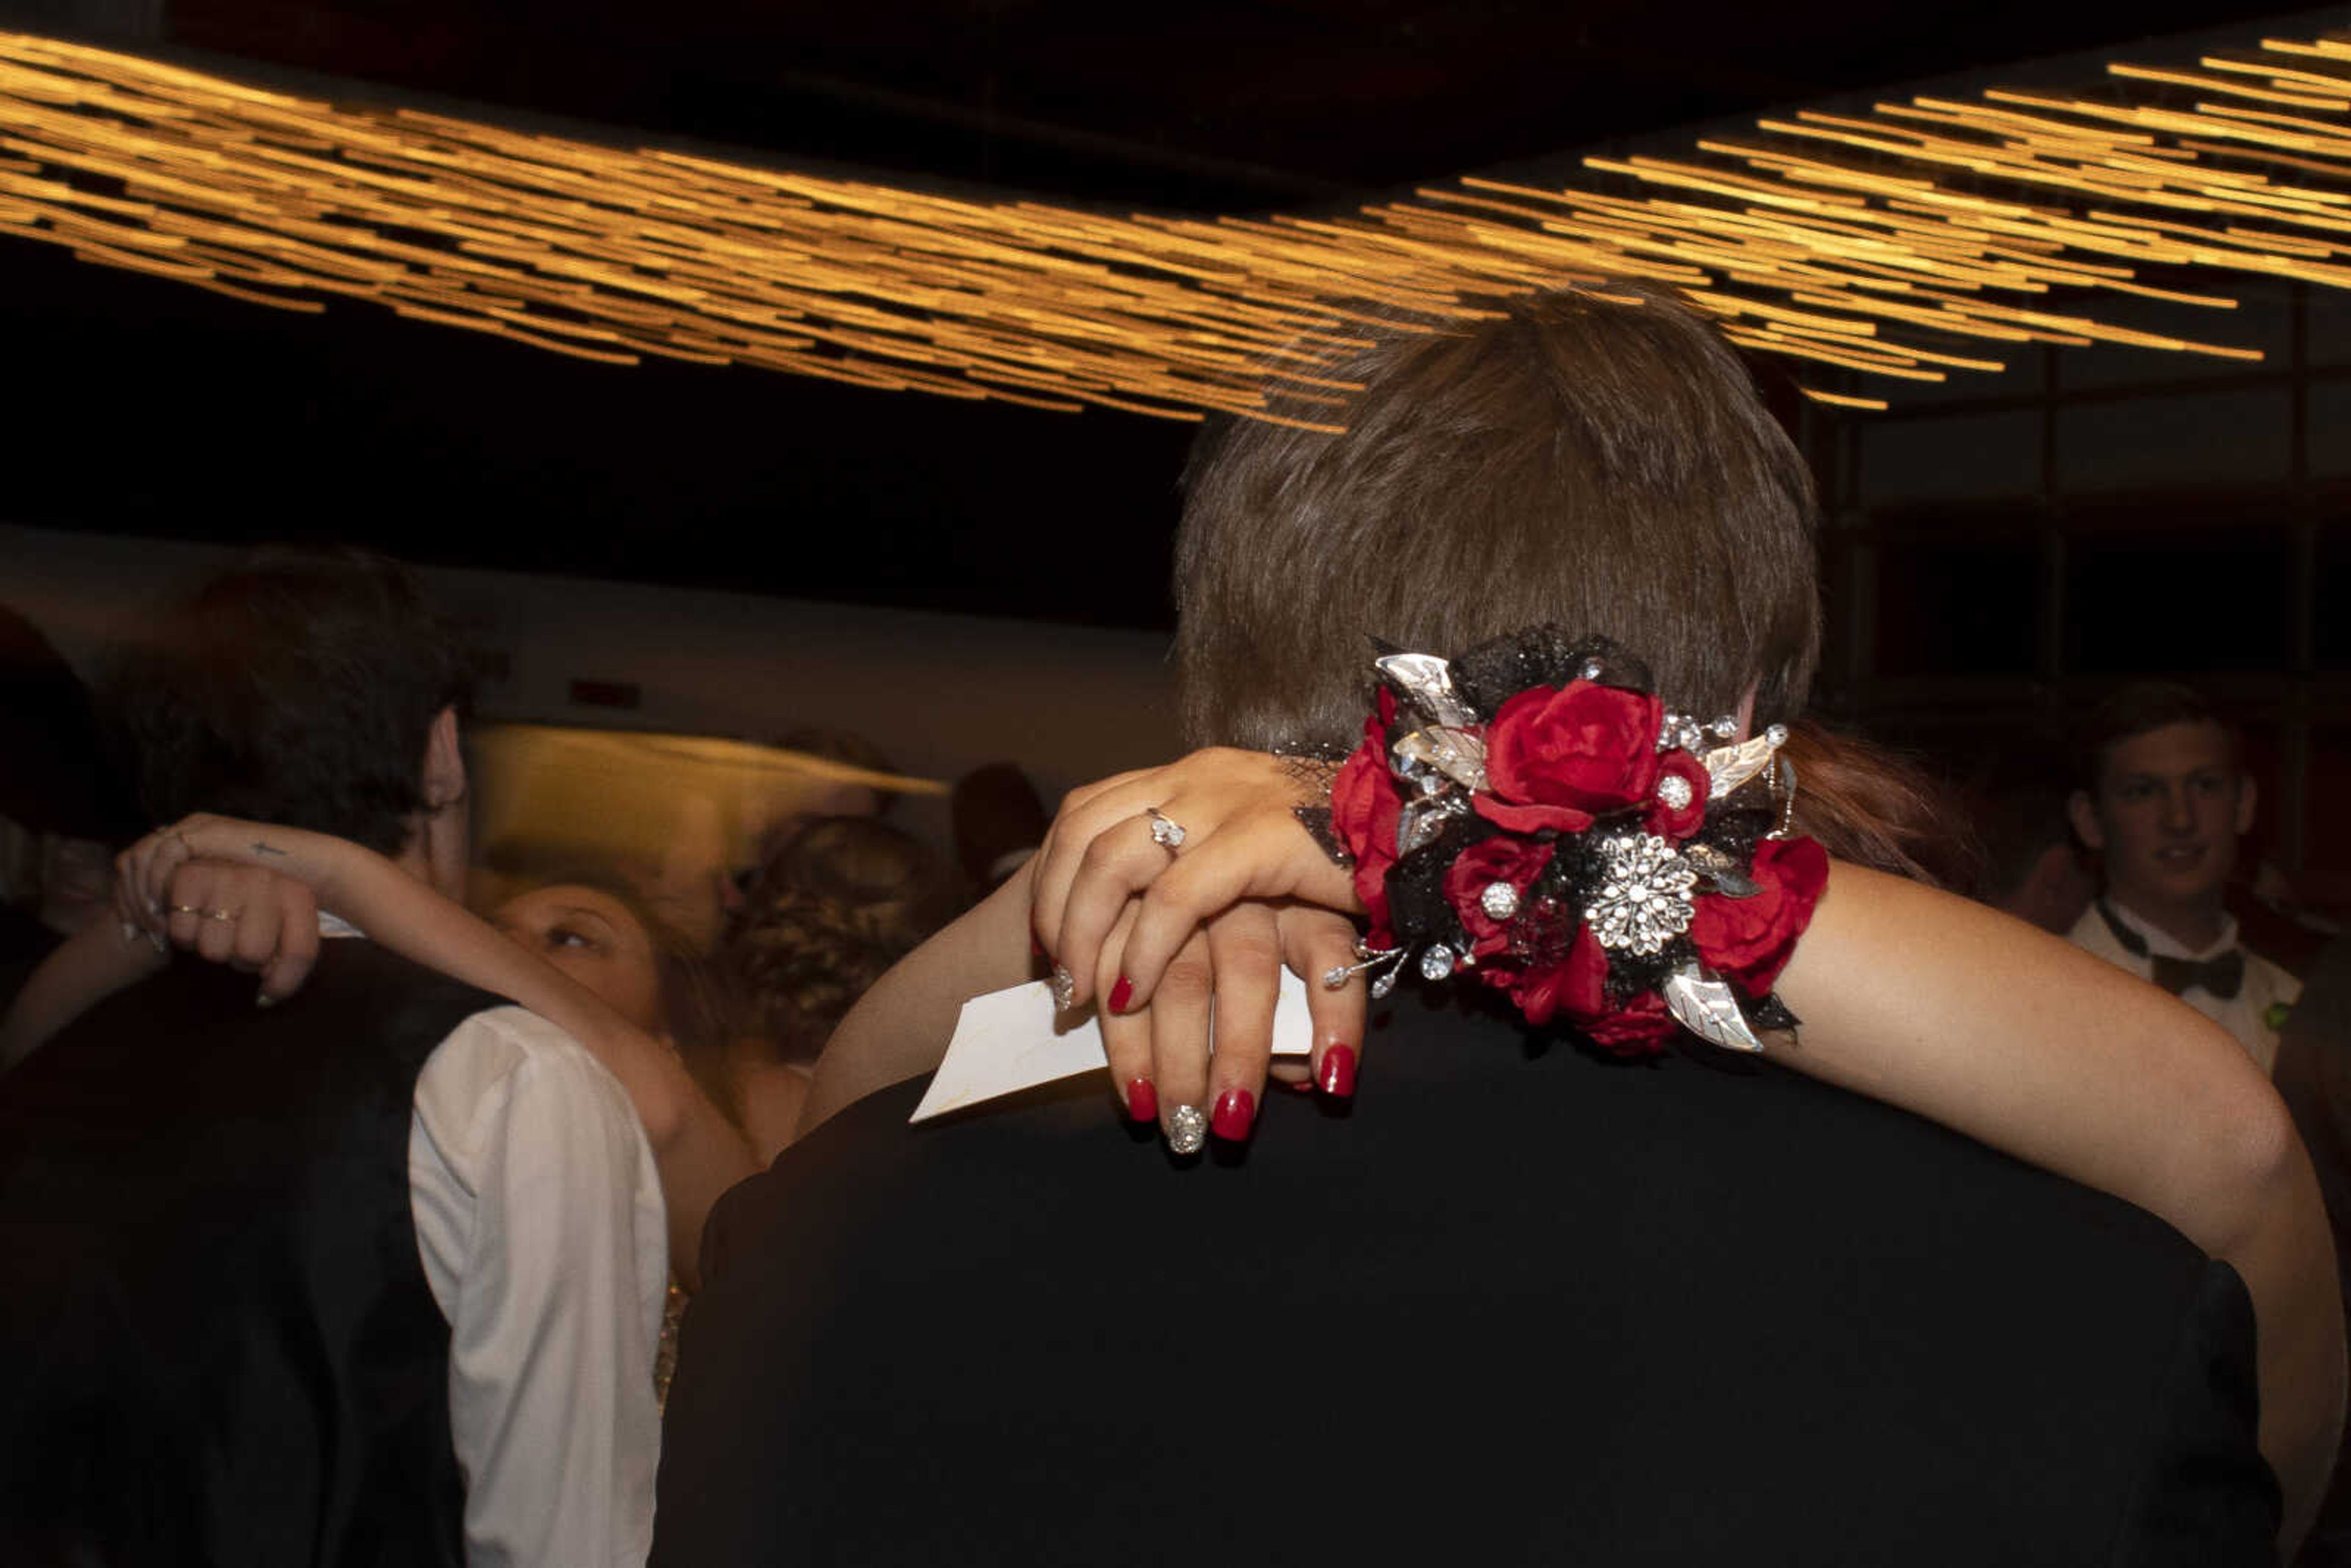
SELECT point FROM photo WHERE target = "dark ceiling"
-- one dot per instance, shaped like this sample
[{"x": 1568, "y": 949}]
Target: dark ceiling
[
  {"x": 1211, "y": 105},
  {"x": 170, "y": 410}
]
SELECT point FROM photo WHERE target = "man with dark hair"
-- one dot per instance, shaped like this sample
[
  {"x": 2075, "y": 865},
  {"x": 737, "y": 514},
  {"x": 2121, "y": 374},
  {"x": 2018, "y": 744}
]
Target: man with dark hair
[
  {"x": 2163, "y": 797},
  {"x": 371, "y": 1276}
]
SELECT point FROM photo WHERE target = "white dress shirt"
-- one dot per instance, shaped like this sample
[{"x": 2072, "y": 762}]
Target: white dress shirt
[
  {"x": 540, "y": 1217},
  {"x": 2245, "y": 1015}
]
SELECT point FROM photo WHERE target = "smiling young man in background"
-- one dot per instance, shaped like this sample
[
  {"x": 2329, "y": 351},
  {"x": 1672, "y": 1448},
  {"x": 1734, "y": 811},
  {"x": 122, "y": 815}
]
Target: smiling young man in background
[{"x": 2164, "y": 798}]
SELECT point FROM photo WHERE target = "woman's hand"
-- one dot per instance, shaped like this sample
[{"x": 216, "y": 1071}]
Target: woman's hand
[
  {"x": 1186, "y": 940},
  {"x": 143, "y": 873},
  {"x": 208, "y": 885},
  {"x": 1222, "y": 987}
]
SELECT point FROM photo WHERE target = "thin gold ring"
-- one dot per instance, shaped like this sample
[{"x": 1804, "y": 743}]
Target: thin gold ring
[{"x": 222, "y": 915}]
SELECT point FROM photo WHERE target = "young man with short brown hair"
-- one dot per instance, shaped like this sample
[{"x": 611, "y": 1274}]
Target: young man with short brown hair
[{"x": 2164, "y": 798}]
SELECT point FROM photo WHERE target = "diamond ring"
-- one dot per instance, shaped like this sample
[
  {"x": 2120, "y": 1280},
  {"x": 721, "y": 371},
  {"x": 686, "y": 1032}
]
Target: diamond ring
[
  {"x": 1165, "y": 831},
  {"x": 1188, "y": 1129}
]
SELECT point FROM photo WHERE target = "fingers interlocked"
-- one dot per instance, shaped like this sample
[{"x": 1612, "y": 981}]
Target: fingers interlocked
[{"x": 1186, "y": 949}]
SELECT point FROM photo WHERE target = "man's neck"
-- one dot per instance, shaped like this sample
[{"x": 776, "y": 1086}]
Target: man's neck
[{"x": 2194, "y": 927}]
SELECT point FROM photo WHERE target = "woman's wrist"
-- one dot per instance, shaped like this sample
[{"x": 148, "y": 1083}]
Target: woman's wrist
[
  {"x": 340, "y": 864},
  {"x": 333, "y": 869}
]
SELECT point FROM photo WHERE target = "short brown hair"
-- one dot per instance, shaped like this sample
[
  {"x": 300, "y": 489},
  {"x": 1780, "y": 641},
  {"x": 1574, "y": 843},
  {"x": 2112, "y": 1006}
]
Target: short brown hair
[
  {"x": 2141, "y": 708},
  {"x": 1599, "y": 460}
]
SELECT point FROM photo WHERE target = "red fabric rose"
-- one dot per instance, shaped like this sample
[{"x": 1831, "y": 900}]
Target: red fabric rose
[
  {"x": 1527, "y": 818},
  {"x": 1559, "y": 759},
  {"x": 1640, "y": 1028},
  {"x": 1364, "y": 806},
  {"x": 1747, "y": 941},
  {"x": 1576, "y": 985},
  {"x": 1515, "y": 861},
  {"x": 1677, "y": 822}
]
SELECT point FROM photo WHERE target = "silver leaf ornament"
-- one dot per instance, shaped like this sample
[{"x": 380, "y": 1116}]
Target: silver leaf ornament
[
  {"x": 1703, "y": 1004},
  {"x": 1729, "y": 767},
  {"x": 1427, "y": 680},
  {"x": 1459, "y": 754},
  {"x": 1422, "y": 823}
]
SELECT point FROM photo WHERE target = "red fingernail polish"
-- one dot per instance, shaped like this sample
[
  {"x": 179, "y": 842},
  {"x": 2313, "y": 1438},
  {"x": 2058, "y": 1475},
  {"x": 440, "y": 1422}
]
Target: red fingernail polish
[
  {"x": 1142, "y": 1099},
  {"x": 1036, "y": 948},
  {"x": 1337, "y": 1074},
  {"x": 1121, "y": 994},
  {"x": 1235, "y": 1111}
]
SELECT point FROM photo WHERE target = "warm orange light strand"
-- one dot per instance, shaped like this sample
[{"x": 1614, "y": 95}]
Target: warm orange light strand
[{"x": 1900, "y": 243}]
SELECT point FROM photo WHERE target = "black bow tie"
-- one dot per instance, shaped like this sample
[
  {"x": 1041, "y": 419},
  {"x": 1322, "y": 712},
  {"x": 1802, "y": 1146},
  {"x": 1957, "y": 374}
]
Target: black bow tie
[{"x": 2223, "y": 974}]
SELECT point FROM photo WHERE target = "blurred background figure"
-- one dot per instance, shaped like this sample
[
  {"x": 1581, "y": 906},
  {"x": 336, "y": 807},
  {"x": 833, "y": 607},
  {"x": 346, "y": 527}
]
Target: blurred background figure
[
  {"x": 64, "y": 810},
  {"x": 643, "y": 968},
  {"x": 831, "y": 909},
  {"x": 2162, "y": 797},
  {"x": 2031, "y": 865},
  {"x": 999, "y": 823},
  {"x": 832, "y": 773},
  {"x": 605, "y": 938},
  {"x": 731, "y": 898},
  {"x": 674, "y": 819},
  {"x": 838, "y": 791}
]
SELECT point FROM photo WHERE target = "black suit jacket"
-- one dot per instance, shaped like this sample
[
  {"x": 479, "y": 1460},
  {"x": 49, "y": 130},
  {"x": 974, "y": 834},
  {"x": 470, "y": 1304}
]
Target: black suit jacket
[
  {"x": 218, "y": 1341},
  {"x": 1520, "y": 1305}
]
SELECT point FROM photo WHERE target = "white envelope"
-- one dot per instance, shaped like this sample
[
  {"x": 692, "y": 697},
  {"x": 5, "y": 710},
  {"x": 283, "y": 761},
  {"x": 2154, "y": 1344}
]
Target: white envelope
[{"x": 1007, "y": 1040}]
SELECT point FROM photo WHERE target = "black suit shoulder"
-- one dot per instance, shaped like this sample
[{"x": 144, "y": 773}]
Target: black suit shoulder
[
  {"x": 357, "y": 992},
  {"x": 1521, "y": 1304}
]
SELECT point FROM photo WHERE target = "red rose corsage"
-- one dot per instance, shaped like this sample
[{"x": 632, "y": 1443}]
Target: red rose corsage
[{"x": 1531, "y": 813}]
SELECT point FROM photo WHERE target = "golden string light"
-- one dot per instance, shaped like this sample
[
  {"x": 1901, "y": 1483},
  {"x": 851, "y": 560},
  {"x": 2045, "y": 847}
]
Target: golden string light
[{"x": 1920, "y": 238}]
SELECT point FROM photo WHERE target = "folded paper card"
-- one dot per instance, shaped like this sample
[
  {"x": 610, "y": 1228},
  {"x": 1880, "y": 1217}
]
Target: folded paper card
[{"x": 1010, "y": 1041}]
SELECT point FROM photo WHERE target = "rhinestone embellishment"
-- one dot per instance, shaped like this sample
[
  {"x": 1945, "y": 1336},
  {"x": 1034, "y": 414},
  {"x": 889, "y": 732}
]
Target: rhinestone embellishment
[
  {"x": 1437, "y": 963},
  {"x": 1679, "y": 729},
  {"x": 1188, "y": 1129},
  {"x": 1500, "y": 901},
  {"x": 1672, "y": 791},
  {"x": 1644, "y": 900},
  {"x": 1064, "y": 987}
]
